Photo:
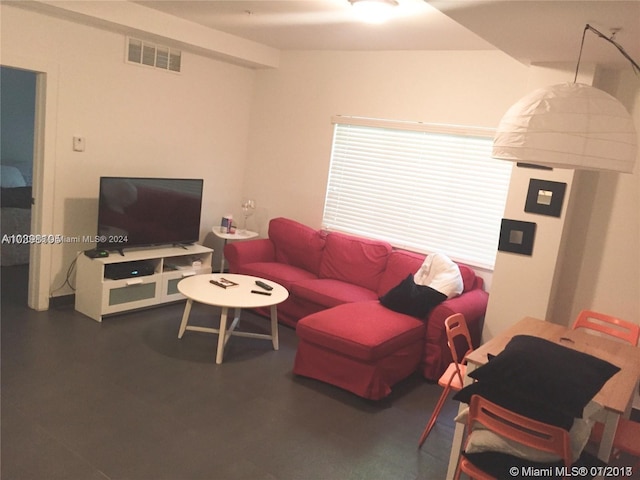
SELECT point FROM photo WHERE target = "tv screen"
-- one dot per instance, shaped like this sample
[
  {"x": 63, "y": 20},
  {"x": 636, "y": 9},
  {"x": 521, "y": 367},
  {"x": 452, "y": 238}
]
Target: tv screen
[{"x": 136, "y": 212}]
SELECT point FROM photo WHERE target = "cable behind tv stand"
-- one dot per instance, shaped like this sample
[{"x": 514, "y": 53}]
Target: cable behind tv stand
[{"x": 97, "y": 295}]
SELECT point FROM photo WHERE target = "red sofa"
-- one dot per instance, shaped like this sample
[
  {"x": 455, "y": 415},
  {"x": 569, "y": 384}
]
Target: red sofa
[{"x": 347, "y": 338}]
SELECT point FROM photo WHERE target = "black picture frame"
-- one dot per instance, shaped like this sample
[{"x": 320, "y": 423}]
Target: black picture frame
[
  {"x": 545, "y": 197},
  {"x": 517, "y": 236}
]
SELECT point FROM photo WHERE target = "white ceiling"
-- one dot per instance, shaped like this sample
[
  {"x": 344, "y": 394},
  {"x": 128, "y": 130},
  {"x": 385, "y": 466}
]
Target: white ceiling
[
  {"x": 532, "y": 31},
  {"x": 325, "y": 24}
]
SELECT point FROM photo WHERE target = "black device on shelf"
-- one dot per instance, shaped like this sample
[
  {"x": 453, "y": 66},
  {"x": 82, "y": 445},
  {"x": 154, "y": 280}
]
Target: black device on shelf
[
  {"x": 118, "y": 271},
  {"x": 96, "y": 253},
  {"x": 137, "y": 212}
]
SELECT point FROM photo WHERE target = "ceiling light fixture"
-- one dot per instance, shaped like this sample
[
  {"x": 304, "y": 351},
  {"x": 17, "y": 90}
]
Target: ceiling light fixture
[
  {"x": 373, "y": 11},
  {"x": 570, "y": 125}
]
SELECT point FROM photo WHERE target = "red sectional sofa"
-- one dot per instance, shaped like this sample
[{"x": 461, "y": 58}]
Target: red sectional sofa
[{"x": 347, "y": 337}]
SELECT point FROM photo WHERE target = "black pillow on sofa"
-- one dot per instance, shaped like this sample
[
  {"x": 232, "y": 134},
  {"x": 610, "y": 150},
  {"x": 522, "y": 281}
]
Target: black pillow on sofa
[
  {"x": 411, "y": 299},
  {"x": 548, "y": 373}
]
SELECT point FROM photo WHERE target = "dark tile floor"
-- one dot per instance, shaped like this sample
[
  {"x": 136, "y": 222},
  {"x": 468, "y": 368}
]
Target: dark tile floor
[{"x": 125, "y": 399}]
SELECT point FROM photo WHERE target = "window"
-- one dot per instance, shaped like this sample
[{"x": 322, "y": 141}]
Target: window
[{"x": 428, "y": 188}]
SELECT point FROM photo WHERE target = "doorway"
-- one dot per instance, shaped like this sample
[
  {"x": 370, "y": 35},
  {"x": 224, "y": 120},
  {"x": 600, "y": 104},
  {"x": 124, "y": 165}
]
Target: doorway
[
  {"x": 17, "y": 117},
  {"x": 43, "y": 171}
]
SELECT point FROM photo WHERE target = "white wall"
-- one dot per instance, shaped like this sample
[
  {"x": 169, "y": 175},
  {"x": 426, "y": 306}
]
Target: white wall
[
  {"x": 291, "y": 128},
  {"x": 289, "y": 152},
  {"x": 601, "y": 264},
  {"x": 135, "y": 120},
  {"x": 588, "y": 257},
  {"x": 524, "y": 285}
]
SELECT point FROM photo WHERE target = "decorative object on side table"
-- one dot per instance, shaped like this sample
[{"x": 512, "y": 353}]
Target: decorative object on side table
[
  {"x": 517, "y": 236},
  {"x": 226, "y": 225},
  {"x": 248, "y": 207},
  {"x": 545, "y": 197}
]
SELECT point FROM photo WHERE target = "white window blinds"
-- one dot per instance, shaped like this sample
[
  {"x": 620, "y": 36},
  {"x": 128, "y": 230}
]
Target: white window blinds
[{"x": 419, "y": 187}]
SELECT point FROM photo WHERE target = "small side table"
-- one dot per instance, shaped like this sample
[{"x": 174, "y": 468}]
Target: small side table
[{"x": 238, "y": 235}]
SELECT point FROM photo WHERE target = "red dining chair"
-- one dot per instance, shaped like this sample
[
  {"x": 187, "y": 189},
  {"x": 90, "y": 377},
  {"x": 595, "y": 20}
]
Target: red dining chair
[
  {"x": 612, "y": 326},
  {"x": 453, "y": 377},
  {"x": 515, "y": 427},
  {"x": 627, "y": 436}
]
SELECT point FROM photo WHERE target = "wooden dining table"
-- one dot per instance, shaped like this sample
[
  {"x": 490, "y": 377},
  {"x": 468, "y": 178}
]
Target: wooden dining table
[{"x": 612, "y": 402}]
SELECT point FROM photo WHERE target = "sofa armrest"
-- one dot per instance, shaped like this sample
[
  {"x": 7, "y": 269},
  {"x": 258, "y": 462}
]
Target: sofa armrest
[
  {"x": 473, "y": 305},
  {"x": 249, "y": 251}
]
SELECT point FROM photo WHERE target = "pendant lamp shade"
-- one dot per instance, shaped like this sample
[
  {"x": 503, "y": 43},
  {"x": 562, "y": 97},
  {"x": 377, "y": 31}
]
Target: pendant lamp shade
[{"x": 570, "y": 125}]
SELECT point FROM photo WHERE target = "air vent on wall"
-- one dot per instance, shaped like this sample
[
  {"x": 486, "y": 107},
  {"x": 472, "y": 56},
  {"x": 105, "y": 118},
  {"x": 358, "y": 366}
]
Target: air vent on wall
[{"x": 152, "y": 55}]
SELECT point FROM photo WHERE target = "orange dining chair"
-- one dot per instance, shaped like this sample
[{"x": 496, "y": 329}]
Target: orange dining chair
[
  {"x": 626, "y": 439},
  {"x": 453, "y": 377},
  {"x": 515, "y": 427},
  {"x": 612, "y": 326},
  {"x": 627, "y": 436}
]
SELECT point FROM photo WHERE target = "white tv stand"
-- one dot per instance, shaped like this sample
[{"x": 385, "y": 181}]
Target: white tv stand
[{"x": 97, "y": 295}]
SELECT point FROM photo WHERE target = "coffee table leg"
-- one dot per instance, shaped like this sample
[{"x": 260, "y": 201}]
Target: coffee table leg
[
  {"x": 274, "y": 327},
  {"x": 222, "y": 334},
  {"x": 185, "y": 317},
  {"x": 234, "y": 324}
]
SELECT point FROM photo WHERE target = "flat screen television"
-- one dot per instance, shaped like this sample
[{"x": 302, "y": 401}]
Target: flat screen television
[{"x": 139, "y": 212}]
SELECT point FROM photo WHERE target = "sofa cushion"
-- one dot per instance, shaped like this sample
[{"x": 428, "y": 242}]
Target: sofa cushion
[
  {"x": 329, "y": 292},
  {"x": 285, "y": 275},
  {"x": 354, "y": 260},
  {"x": 400, "y": 264},
  {"x": 468, "y": 277},
  {"x": 440, "y": 273},
  {"x": 364, "y": 330},
  {"x": 412, "y": 299},
  {"x": 296, "y": 244}
]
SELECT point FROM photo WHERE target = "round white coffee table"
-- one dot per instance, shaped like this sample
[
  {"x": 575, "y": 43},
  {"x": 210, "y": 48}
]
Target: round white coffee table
[{"x": 199, "y": 288}]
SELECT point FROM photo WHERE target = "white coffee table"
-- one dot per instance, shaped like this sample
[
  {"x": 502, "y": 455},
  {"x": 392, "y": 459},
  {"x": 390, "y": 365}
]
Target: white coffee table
[
  {"x": 221, "y": 232},
  {"x": 199, "y": 288}
]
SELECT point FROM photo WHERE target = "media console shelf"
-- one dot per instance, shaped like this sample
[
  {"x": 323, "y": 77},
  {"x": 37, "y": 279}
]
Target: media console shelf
[{"x": 97, "y": 295}]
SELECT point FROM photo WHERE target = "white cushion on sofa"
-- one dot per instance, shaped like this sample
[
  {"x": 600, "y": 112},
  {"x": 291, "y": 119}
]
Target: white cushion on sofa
[{"x": 440, "y": 273}]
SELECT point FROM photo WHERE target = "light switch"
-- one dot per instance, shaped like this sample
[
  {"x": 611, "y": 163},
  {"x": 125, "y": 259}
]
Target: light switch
[{"x": 78, "y": 144}]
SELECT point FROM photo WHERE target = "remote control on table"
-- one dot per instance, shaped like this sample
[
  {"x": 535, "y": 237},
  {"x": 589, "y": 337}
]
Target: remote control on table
[
  {"x": 264, "y": 285},
  {"x": 260, "y": 292}
]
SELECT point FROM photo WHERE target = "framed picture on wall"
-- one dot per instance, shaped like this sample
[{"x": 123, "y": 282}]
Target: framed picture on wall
[
  {"x": 516, "y": 236},
  {"x": 545, "y": 197}
]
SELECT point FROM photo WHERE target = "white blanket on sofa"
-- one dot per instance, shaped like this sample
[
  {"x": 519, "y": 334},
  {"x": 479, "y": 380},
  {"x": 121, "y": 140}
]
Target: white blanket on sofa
[{"x": 440, "y": 273}]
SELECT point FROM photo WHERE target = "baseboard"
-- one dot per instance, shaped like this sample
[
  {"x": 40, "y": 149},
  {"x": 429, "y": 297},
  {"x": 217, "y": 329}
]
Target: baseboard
[{"x": 62, "y": 301}]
